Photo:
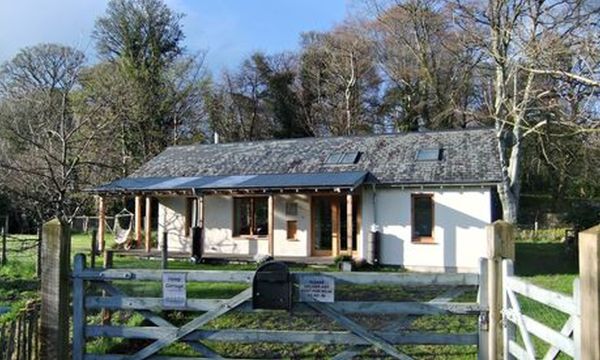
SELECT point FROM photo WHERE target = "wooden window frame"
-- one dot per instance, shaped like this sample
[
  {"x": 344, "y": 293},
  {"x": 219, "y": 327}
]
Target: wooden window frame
[
  {"x": 422, "y": 239},
  {"x": 252, "y": 219}
]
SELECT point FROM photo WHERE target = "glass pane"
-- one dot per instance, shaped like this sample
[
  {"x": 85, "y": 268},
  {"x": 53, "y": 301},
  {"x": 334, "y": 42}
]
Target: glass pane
[
  {"x": 323, "y": 229},
  {"x": 334, "y": 158},
  {"x": 343, "y": 222},
  {"x": 423, "y": 215},
  {"x": 349, "y": 158},
  {"x": 428, "y": 154},
  {"x": 242, "y": 215},
  {"x": 261, "y": 216}
]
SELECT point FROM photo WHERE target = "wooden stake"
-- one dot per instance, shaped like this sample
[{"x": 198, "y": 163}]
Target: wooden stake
[
  {"x": 589, "y": 275},
  {"x": 101, "y": 223},
  {"x": 148, "y": 225},
  {"x": 138, "y": 221}
]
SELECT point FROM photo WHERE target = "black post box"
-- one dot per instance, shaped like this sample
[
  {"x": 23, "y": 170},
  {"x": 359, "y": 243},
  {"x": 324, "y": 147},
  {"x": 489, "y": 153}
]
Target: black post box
[{"x": 272, "y": 287}]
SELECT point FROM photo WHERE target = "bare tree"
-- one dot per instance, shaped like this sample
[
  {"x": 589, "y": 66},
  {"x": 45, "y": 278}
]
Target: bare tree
[{"x": 49, "y": 139}]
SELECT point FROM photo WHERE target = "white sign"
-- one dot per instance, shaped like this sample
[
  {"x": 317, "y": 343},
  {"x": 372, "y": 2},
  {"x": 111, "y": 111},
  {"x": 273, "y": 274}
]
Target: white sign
[
  {"x": 174, "y": 290},
  {"x": 317, "y": 288}
]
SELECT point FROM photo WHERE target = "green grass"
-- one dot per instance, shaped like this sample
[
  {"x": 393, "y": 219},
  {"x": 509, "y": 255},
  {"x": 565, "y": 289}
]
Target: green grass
[{"x": 544, "y": 263}]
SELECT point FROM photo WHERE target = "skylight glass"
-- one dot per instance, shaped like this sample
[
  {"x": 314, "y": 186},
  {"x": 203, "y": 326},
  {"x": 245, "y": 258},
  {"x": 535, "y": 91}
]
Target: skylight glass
[
  {"x": 429, "y": 154},
  {"x": 342, "y": 158}
]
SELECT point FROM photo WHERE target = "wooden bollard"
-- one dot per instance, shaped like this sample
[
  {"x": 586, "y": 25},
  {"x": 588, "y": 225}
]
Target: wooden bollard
[
  {"x": 165, "y": 251},
  {"x": 589, "y": 275}
]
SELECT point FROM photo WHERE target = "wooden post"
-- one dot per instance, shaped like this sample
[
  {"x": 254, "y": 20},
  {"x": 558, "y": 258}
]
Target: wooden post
[
  {"x": 482, "y": 299},
  {"x": 107, "y": 264},
  {"x": 501, "y": 245},
  {"x": 271, "y": 211},
  {"x": 165, "y": 251},
  {"x": 79, "y": 319},
  {"x": 349, "y": 223},
  {"x": 148, "y": 225},
  {"x": 101, "y": 223},
  {"x": 54, "y": 330},
  {"x": 94, "y": 248},
  {"x": 335, "y": 227},
  {"x": 138, "y": 221},
  {"x": 38, "y": 264},
  {"x": 4, "y": 233},
  {"x": 589, "y": 277}
]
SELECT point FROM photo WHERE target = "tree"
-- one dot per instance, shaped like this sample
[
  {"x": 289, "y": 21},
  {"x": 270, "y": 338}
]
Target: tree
[
  {"x": 50, "y": 143},
  {"x": 142, "y": 38},
  {"x": 339, "y": 83},
  {"x": 429, "y": 70}
]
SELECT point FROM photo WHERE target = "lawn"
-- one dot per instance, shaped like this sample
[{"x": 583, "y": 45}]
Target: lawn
[{"x": 543, "y": 263}]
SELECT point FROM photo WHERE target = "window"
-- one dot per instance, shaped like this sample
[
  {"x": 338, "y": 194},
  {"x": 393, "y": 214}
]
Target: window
[
  {"x": 251, "y": 216},
  {"x": 291, "y": 208},
  {"x": 343, "y": 158},
  {"x": 422, "y": 218},
  {"x": 429, "y": 154},
  {"x": 292, "y": 229}
]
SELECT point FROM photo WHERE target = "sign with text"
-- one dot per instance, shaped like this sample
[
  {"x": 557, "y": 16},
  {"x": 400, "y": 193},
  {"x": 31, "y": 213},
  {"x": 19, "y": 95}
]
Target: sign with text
[
  {"x": 174, "y": 290},
  {"x": 317, "y": 288}
]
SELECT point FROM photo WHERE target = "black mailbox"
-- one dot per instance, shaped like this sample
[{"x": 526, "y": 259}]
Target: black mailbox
[{"x": 272, "y": 287}]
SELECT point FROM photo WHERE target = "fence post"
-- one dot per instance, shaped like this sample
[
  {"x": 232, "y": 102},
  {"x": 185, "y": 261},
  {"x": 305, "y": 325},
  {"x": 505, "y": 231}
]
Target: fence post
[
  {"x": 482, "y": 299},
  {"x": 78, "y": 308},
  {"x": 54, "y": 330},
  {"x": 4, "y": 232},
  {"x": 165, "y": 251},
  {"x": 108, "y": 264},
  {"x": 94, "y": 245},
  {"x": 509, "y": 328},
  {"x": 501, "y": 245},
  {"x": 589, "y": 275},
  {"x": 39, "y": 254}
]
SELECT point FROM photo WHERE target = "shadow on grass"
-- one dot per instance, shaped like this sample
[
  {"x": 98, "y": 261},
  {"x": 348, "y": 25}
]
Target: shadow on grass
[{"x": 544, "y": 259}]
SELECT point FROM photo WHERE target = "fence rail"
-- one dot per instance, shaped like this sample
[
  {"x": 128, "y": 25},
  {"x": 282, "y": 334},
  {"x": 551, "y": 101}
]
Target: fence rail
[
  {"x": 352, "y": 333},
  {"x": 19, "y": 338},
  {"x": 565, "y": 341}
]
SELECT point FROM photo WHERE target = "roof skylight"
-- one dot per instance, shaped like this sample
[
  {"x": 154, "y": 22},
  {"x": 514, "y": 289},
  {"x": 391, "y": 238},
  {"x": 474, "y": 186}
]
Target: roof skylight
[
  {"x": 429, "y": 154},
  {"x": 342, "y": 158}
]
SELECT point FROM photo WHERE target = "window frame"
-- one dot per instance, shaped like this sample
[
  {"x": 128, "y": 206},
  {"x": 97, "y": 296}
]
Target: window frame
[
  {"x": 414, "y": 237},
  {"x": 251, "y": 235}
]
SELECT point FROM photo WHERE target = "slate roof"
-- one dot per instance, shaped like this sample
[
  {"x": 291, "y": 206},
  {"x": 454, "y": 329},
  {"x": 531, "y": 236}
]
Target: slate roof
[{"x": 469, "y": 157}]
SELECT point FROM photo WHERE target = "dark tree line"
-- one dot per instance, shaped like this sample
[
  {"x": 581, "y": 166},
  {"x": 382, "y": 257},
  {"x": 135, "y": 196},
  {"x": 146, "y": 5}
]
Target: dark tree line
[{"x": 528, "y": 68}]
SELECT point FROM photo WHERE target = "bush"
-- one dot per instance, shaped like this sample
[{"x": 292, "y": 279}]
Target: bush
[{"x": 543, "y": 235}]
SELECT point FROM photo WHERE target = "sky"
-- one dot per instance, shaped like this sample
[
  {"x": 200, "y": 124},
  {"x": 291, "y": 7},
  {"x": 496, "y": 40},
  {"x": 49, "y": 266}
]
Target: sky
[{"x": 228, "y": 30}]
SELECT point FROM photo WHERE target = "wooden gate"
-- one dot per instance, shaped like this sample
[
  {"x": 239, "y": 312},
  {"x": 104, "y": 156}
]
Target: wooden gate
[
  {"x": 567, "y": 340},
  {"x": 162, "y": 333}
]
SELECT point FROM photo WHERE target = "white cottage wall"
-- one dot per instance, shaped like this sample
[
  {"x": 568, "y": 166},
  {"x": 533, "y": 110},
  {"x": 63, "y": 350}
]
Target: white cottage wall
[
  {"x": 171, "y": 219},
  {"x": 299, "y": 246},
  {"x": 460, "y": 216}
]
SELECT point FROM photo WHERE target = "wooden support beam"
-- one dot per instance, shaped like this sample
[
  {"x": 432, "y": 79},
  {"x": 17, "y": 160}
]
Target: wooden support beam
[
  {"x": 349, "y": 223},
  {"x": 589, "y": 275},
  {"x": 335, "y": 227},
  {"x": 138, "y": 221},
  {"x": 271, "y": 215},
  {"x": 148, "y": 225},
  {"x": 101, "y": 222}
]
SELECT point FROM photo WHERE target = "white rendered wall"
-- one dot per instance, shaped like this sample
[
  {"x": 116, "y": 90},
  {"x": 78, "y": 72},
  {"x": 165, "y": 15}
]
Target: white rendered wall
[
  {"x": 171, "y": 219},
  {"x": 300, "y": 245},
  {"x": 460, "y": 217}
]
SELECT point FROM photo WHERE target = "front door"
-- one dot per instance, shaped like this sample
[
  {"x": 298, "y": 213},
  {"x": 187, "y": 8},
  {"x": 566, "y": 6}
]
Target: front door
[{"x": 323, "y": 230}]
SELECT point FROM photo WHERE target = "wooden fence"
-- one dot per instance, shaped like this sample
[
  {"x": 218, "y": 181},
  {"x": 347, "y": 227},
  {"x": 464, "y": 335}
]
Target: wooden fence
[
  {"x": 521, "y": 326},
  {"x": 19, "y": 338},
  {"x": 164, "y": 333}
]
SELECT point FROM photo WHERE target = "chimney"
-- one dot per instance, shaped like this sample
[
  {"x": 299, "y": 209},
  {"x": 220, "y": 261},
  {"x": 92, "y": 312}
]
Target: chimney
[{"x": 216, "y": 136}]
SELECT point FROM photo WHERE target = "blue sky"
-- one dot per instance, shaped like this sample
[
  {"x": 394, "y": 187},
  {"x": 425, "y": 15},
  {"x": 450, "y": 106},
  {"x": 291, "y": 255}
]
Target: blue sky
[{"x": 228, "y": 29}]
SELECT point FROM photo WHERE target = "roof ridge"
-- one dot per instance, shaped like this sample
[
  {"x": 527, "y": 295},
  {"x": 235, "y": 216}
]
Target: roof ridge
[{"x": 325, "y": 138}]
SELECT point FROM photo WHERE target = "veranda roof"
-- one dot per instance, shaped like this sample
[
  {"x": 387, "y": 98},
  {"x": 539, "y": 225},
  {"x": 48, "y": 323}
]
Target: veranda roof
[{"x": 341, "y": 180}]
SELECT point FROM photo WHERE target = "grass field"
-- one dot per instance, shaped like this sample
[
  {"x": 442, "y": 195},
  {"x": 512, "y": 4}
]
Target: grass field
[{"x": 543, "y": 263}]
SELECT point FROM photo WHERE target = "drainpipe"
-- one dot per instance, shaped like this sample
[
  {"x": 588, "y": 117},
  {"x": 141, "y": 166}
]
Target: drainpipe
[{"x": 374, "y": 235}]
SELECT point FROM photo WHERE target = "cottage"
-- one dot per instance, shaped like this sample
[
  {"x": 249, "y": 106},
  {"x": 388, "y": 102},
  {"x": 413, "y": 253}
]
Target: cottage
[{"x": 429, "y": 195}]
